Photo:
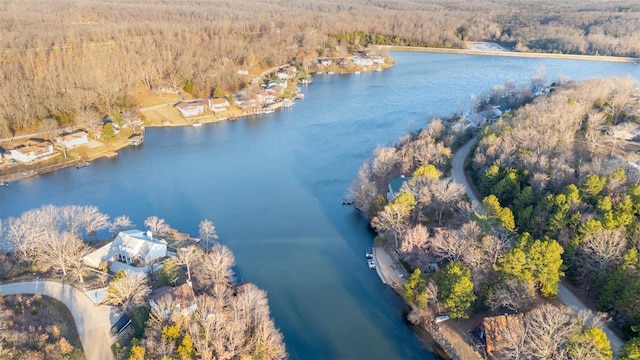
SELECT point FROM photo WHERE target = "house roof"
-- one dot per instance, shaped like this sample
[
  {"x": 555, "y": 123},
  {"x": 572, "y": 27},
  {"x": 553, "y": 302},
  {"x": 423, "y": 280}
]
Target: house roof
[
  {"x": 494, "y": 327},
  {"x": 182, "y": 295},
  {"x": 190, "y": 105},
  {"x": 219, "y": 101},
  {"x": 396, "y": 184},
  {"x": 130, "y": 242},
  {"x": 74, "y": 135},
  {"x": 35, "y": 146}
]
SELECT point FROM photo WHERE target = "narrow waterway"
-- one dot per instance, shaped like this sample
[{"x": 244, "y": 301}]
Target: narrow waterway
[{"x": 272, "y": 186}]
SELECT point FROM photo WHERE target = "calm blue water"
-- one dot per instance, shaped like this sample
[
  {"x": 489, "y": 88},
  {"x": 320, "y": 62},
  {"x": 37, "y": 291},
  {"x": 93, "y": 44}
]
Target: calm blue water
[{"x": 272, "y": 186}]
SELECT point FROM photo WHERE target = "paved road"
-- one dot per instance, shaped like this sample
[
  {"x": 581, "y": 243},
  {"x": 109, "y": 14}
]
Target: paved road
[
  {"x": 564, "y": 294},
  {"x": 92, "y": 322}
]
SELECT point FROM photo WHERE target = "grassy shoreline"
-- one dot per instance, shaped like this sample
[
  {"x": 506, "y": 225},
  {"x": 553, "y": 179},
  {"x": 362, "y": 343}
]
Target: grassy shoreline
[{"x": 515, "y": 54}]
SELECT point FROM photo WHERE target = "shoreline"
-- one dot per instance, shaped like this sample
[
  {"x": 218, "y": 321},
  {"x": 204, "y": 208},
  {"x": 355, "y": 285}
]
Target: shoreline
[
  {"x": 514, "y": 54},
  {"x": 441, "y": 338}
]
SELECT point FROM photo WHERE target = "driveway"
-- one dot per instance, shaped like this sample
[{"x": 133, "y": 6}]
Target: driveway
[
  {"x": 564, "y": 294},
  {"x": 92, "y": 322}
]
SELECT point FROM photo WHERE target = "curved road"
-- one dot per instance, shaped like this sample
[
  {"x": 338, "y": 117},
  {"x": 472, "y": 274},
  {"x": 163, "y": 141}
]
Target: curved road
[
  {"x": 92, "y": 321},
  {"x": 564, "y": 294}
]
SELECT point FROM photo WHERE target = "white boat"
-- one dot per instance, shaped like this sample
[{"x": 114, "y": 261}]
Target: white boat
[
  {"x": 369, "y": 253},
  {"x": 306, "y": 81},
  {"x": 357, "y": 72},
  {"x": 287, "y": 104},
  {"x": 196, "y": 124},
  {"x": 371, "y": 263},
  {"x": 299, "y": 96},
  {"x": 330, "y": 73}
]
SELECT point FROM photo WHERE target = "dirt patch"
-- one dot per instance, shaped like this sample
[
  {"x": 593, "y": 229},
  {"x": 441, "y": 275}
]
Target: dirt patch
[{"x": 39, "y": 327}]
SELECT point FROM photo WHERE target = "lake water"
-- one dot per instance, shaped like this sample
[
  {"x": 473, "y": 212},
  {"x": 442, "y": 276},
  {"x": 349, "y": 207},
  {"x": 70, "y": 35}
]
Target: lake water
[{"x": 272, "y": 185}]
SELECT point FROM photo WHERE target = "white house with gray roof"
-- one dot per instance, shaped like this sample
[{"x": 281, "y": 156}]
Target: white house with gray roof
[{"x": 131, "y": 247}]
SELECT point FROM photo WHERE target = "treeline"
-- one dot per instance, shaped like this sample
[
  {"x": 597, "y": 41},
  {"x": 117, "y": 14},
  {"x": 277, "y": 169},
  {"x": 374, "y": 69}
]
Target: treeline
[
  {"x": 67, "y": 62},
  {"x": 554, "y": 204}
]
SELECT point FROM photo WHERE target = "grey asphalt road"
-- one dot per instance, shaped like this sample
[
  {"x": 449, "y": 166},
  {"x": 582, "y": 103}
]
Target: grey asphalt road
[{"x": 92, "y": 321}]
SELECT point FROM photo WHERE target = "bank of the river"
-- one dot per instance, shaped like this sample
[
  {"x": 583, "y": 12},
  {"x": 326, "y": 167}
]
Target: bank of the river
[
  {"x": 515, "y": 54},
  {"x": 450, "y": 343},
  {"x": 23, "y": 171}
]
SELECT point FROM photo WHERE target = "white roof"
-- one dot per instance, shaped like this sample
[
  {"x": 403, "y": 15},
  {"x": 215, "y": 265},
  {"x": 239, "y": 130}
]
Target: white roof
[{"x": 130, "y": 242}]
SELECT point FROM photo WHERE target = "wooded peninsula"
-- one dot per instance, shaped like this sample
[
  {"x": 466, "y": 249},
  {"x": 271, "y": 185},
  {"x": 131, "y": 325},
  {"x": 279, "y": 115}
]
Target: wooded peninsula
[{"x": 557, "y": 176}]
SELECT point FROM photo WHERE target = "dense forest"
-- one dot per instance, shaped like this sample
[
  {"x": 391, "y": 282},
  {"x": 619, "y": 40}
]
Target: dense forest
[
  {"x": 559, "y": 199},
  {"x": 72, "y": 62}
]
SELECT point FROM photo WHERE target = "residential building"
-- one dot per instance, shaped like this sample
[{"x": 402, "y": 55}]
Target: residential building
[
  {"x": 31, "y": 150},
  {"x": 219, "y": 104},
  {"x": 133, "y": 248},
  {"x": 181, "y": 297},
  {"x": 193, "y": 108},
  {"x": 77, "y": 138}
]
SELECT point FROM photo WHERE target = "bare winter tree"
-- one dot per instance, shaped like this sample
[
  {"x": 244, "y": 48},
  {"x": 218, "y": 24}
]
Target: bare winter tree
[
  {"x": 363, "y": 190},
  {"x": 548, "y": 327},
  {"x": 156, "y": 225},
  {"x": 515, "y": 295},
  {"x": 120, "y": 223},
  {"x": 61, "y": 252},
  {"x": 216, "y": 269},
  {"x": 442, "y": 195},
  {"x": 450, "y": 245},
  {"x": 207, "y": 232},
  {"x": 602, "y": 252},
  {"x": 92, "y": 220},
  {"x": 392, "y": 220},
  {"x": 414, "y": 245},
  {"x": 70, "y": 218},
  {"x": 189, "y": 256},
  {"x": 20, "y": 234},
  {"x": 129, "y": 291},
  {"x": 385, "y": 159}
]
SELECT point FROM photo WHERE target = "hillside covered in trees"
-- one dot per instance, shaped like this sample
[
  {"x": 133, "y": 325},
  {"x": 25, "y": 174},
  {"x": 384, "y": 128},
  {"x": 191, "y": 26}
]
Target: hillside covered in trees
[
  {"x": 72, "y": 62},
  {"x": 560, "y": 198}
]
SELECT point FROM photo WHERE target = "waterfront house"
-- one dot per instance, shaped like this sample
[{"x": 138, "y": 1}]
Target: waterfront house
[
  {"x": 77, "y": 138},
  {"x": 325, "y": 62},
  {"x": 287, "y": 74},
  {"x": 131, "y": 249},
  {"x": 31, "y": 150},
  {"x": 192, "y": 108},
  {"x": 182, "y": 298},
  {"x": 361, "y": 61},
  {"x": 265, "y": 97},
  {"x": 219, "y": 104}
]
